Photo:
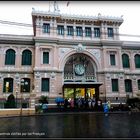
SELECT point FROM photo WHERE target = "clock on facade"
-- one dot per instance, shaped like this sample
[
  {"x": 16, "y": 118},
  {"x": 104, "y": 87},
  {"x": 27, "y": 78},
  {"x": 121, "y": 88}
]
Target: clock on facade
[{"x": 79, "y": 69}]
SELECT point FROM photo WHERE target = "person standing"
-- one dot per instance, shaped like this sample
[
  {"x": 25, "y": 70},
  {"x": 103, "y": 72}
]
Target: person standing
[{"x": 106, "y": 108}]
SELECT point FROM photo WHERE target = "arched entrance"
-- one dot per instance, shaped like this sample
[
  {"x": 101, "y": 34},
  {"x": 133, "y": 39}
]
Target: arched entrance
[
  {"x": 80, "y": 79},
  {"x": 10, "y": 102}
]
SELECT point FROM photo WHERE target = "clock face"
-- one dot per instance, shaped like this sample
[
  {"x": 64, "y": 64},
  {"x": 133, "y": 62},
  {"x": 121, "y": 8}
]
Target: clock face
[{"x": 79, "y": 69}]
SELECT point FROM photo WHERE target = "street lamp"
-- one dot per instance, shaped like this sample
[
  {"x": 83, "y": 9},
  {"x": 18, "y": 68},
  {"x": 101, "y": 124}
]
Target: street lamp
[
  {"x": 22, "y": 84},
  {"x": 16, "y": 97}
]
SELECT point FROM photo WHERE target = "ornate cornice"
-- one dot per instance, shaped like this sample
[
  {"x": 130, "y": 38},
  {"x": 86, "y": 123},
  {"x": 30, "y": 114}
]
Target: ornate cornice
[
  {"x": 131, "y": 45},
  {"x": 66, "y": 41},
  {"x": 78, "y": 17},
  {"x": 31, "y": 40},
  {"x": 16, "y": 39}
]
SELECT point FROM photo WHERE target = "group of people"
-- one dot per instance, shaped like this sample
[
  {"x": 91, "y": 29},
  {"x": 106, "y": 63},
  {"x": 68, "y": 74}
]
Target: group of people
[
  {"x": 79, "y": 103},
  {"x": 85, "y": 103}
]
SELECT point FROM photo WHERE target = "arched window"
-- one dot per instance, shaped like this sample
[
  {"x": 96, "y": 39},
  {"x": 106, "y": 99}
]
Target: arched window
[
  {"x": 128, "y": 85},
  {"x": 8, "y": 85},
  {"x": 10, "y": 57},
  {"x": 125, "y": 61},
  {"x": 137, "y": 61},
  {"x": 26, "y": 57},
  {"x": 25, "y": 86},
  {"x": 139, "y": 84}
]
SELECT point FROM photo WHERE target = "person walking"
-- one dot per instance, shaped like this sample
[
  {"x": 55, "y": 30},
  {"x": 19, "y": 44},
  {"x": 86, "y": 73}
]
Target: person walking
[{"x": 106, "y": 108}]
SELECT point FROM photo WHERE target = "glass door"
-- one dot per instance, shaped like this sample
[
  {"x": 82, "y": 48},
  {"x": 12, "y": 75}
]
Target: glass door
[
  {"x": 80, "y": 93},
  {"x": 69, "y": 93}
]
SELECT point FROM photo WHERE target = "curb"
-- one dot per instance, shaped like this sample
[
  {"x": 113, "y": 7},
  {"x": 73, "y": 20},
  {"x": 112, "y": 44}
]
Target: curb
[{"x": 69, "y": 112}]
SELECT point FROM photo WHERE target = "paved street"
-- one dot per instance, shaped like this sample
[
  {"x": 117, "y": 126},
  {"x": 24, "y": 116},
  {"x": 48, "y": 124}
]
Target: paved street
[{"x": 72, "y": 125}]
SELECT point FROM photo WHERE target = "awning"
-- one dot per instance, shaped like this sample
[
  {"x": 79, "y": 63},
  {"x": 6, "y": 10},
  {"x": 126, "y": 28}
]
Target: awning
[{"x": 82, "y": 84}]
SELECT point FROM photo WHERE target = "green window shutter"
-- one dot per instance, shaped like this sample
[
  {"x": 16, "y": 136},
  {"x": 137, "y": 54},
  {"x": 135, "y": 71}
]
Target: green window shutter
[
  {"x": 115, "y": 87},
  {"x": 96, "y": 32},
  {"x": 88, "y": 32},
  {"x": 125, "y": 61},
  {"x": 110, "y": 32},
  {"x": 137, "y": 61},
  {"x": 8, "y": 81},
  {"x": 79, "y": 31},
  {"x": 70, "y": 30},
  {"x": 60, "y": 30},
  {"x": 128, "y": 86},
  {"x": 45, "y": 57},
  {"x": 138, "y": 84},
  {"x": 10, "y": 57},
  {"x": 45, "y": 85},
  {"x": 26, "y": 57},
  {"x": 46, "y": 28},
  {"x": 112, "y": 59}
]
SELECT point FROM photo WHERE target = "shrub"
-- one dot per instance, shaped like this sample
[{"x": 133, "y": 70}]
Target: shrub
[
  {"x": 10, "y": 102},
  {"x": 133, "y": 102},
  {"x": 43, "y": 100}
]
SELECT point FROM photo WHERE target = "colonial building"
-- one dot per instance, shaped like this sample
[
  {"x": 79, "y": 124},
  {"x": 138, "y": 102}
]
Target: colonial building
[{"x": 69, "y": 56}]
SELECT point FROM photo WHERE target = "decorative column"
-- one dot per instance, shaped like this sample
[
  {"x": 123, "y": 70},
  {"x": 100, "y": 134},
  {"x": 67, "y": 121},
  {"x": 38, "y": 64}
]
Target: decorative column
[
  {"x": 119, "y": 59},
  {"x": 54, "y": 28},
  {"x": 2, "y": 57},
  {"x": 117, "y": 32},
  {"x": 65, "y": 30},
  {"x": 74, "y": 29},
  {"x": 132, "y": 60},
  {"x": 41, "y": 25},
  {"x": 51, "y": 27},
  {"x": 83, "y": 28},
  {"x": 121, "y": 85},
  {"x": 105, "y": 32},
  {"x": 114, "y": 32},
  {"x": 102, "y": 31},
  {"x": 92, "y": 31},
  {"x": 18, "y": 58},
  {"x": 134, "y": 86},
  {"x": 38, "y": 27},
  {"x": 37, "y": 55},
  {"x": 55, "y": 53}
]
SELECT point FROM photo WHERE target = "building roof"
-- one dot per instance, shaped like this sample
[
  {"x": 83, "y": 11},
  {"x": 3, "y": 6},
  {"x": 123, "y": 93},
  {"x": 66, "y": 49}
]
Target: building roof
[{"x": 78, "y": 17}]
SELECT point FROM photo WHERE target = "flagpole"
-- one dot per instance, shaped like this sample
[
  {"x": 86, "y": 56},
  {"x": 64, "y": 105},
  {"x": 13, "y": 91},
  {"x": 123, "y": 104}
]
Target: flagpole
[
  {"x": 49, "y": 6},
  {"x": 68, "y": 3}
]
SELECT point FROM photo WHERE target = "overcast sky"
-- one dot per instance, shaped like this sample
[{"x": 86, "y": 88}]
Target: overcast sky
[{"x": 20, "y": 11}]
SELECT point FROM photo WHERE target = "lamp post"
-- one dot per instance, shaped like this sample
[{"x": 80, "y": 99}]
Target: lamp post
[
  {"x": 25, "y": 84},
  {"x": 16, "y": 98},
  {"x": 22, "y": 84}
]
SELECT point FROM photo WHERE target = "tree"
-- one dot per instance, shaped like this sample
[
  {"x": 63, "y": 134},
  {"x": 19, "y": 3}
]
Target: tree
[
  {"x": 43, "y": 99},
  {"x": 10, "y": 103}
]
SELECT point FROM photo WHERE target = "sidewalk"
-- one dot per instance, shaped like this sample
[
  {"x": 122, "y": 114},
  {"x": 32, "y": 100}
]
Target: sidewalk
[
  {"x": 77, "y": 110},
  {"x": 56, "y": 111},
  {"x": 16, "y": 112}
]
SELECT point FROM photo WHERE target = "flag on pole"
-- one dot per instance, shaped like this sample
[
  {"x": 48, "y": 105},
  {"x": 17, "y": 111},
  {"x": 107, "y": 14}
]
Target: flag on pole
[{"x": 68, "y": 3}]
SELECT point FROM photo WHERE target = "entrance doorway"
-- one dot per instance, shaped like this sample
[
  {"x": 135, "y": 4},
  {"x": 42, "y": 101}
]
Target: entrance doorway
[
  {"x": 81, "y": 90},
  {"x": 79, "y": 93}
]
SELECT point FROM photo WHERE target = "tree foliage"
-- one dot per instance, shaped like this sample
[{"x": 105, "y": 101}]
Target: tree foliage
[
  {"x": 10, "y": 102},
  {"x": 43, "y": 99}
]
